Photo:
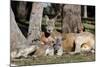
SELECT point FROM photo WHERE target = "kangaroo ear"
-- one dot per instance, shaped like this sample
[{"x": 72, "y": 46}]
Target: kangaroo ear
[{"x": 55, "y": 18}]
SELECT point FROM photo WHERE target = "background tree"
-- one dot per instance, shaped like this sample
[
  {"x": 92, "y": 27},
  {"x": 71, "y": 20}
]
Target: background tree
[
  {"x": 85, "y": 11},
  {"x": 72, "y": 19}
]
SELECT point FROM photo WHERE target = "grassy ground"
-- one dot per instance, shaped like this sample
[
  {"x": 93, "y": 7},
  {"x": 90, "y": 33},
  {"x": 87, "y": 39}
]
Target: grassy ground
[{"x": 87, "y": 57}]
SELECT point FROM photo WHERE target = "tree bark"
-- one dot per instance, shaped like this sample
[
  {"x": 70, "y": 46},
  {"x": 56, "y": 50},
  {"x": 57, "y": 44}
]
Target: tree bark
[
  {"x": 72, "y": 19},
  {"x": 17, "y": 39},
  {"x": 19, "y": 45},
  {"x": 21, "y": 11},
  {"x": 35, "y": 24},
  {"x": 85, "y": 11}
]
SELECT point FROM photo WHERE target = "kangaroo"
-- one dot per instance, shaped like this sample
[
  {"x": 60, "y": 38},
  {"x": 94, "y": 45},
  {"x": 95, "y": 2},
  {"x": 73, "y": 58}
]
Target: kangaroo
[
  {"x": 78, "y": 42},
  {"x": 48, "y": 36},
  {"x": 84, "y": 42}
]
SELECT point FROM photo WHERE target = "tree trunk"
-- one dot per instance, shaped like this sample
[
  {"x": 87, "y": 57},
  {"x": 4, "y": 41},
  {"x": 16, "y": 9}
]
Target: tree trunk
[
  {"x": 17, "y": 41},
  {"x": 35, "y": 24},
  {"x": 72, "y": 19},
  {"x": 21, "y": 11},
  {"x": 19, "y": 45},
  {"x": 85, "y": 11}
]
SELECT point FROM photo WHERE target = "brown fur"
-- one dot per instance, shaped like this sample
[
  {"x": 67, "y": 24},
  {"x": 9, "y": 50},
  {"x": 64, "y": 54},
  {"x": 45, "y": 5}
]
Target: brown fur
[
  {"x": 71, "y": 40},
  {"x": 44, "y": 40},
  {"x": 40, "y": 51},
  {"x": 68, "y": 42}
]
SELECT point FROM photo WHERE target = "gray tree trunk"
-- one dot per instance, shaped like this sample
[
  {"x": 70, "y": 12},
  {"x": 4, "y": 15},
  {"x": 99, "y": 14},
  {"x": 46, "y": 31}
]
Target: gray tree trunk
[
  {"x": 72, "y": 19},
  {"x": 19, "y": 45},
  {"x": 85, "y": 11},
  {"x": 17, "y": 39},
  {"x": 35, "y": 24}
]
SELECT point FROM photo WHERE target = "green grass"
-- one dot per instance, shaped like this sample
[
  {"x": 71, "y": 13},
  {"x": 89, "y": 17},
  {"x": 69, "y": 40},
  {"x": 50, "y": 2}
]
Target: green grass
[
  {"x": 89, "y": 27},
  {"x": 55, "y": 59}
]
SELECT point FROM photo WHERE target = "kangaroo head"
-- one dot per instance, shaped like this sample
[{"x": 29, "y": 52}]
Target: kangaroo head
[{"x": 50, "y": 24}]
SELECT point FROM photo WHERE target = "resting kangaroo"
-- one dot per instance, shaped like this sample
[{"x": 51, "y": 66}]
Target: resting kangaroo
[{"x": 77, "y": 42}]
